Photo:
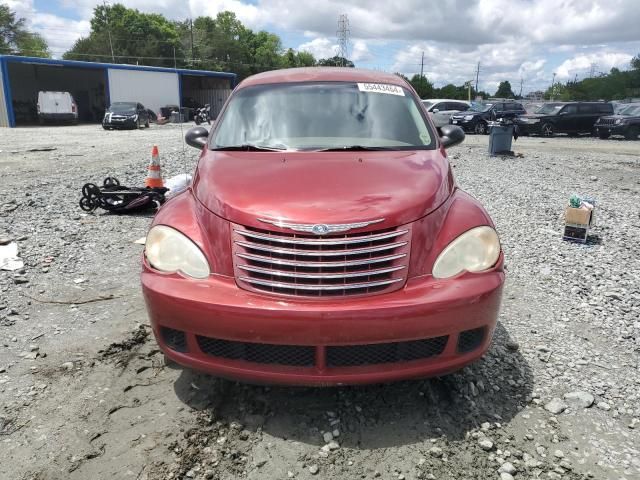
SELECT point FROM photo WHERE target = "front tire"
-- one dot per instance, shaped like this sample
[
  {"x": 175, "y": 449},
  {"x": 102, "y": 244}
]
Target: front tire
[
  {"x": 547, "y": 130},
  {"x": 197, "y": 120},
  {"x": 481, "y": 128}
]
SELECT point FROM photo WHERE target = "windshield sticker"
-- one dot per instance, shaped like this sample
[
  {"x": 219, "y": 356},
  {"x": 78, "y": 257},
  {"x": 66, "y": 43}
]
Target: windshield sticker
[{"x": 381, "y": 88}]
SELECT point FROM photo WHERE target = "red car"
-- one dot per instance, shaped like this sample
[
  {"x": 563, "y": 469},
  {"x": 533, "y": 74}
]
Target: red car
[{"x": 323, "y": 240}]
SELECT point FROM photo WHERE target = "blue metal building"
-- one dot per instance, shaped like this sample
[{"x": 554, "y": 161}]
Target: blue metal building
[{"x": 95, "y": 85}]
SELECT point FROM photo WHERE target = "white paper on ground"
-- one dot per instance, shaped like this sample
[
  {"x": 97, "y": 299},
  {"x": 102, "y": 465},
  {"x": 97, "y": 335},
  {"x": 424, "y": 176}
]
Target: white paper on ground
[{"x": 9, "y": 259}]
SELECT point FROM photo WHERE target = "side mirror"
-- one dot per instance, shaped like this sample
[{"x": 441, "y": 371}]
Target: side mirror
[
  {"x": 196, "y": 137},
  {"x": 564, "y": 113},
  {"x": 451, "y": 135},
  {"x": 435, "y": 110}
]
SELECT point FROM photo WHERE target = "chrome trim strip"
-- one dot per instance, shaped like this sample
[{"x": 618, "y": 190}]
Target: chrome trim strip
[
  {"x": 295, "y": 286},
  {"x": 319, "y": 276},
  {"x": 348, "y": 263},
  {"x": 321, "y": 253},
  {"x": 309, "y": 241},
  {"x": 325, "y": 228}
]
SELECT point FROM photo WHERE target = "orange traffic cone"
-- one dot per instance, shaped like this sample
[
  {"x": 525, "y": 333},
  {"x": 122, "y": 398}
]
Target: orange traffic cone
[{"x": 154, "y": 174}]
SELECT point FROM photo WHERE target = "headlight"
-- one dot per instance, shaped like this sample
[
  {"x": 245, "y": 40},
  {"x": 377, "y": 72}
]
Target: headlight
[
  {"x": 530, "y": 120},
  {"x": 468, "y": 117},
  {"x": 474, "y": 251},
  {"x": 619, "y": 120},
  {"x": 168, "y": 250}
]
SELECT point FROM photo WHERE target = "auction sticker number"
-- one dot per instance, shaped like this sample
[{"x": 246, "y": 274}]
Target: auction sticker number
[{"x": 381, "y": 88}]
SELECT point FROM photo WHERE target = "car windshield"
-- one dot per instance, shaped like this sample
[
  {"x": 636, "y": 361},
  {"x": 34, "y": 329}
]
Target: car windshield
[
  {"x": 550, "y": 108},
  {"x": 123, "y": 107},
  {"x": 630, "y": 111},
  {"x": 481, "y": 107},
  {"x": 321, "y": 116}
]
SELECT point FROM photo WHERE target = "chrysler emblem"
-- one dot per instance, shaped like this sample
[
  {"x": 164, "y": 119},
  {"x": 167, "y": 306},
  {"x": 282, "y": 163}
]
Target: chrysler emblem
[{"x": 321, "y": 228}]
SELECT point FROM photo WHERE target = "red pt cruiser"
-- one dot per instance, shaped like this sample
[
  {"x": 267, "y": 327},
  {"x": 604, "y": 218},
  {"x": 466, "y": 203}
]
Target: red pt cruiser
[{"x": 323, "y": 240}]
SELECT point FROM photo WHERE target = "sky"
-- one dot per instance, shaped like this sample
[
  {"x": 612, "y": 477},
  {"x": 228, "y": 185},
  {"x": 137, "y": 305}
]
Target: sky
[{"x": 523, "y": 41}]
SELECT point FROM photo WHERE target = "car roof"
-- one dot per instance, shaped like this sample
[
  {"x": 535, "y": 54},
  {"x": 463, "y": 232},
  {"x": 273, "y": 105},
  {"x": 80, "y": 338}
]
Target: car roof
[
  {"x": 322, "y": 74},
  {"x": 436, "y": 100}
]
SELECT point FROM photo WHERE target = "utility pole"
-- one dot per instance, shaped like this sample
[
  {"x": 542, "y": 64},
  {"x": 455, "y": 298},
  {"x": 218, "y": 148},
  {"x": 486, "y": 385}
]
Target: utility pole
[
  {"x": 191, "y": 27},
  {"x": 422, "y": 66},
  {"x": 521, "y": 82},
  {"x": 477, "y": 76},
  {"x": 106, "y": 16},
  {"x": 553, "y": 81},
  {"x": 343, "y": 38}
]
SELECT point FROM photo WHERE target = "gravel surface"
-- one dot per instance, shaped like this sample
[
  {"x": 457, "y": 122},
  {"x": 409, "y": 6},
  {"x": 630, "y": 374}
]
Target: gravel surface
[{"x": 84, "y": 392}]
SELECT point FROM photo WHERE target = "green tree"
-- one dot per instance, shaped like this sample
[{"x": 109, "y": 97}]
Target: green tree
[
  {"x": 15, "y": 39},
  {"x": 635, "y": 62},
  {"x": 422, "y": 86},
  {"x": 145, "y": 38},
  {"x": 504, "y": 90},
  {"x": 336, "y": 61}
]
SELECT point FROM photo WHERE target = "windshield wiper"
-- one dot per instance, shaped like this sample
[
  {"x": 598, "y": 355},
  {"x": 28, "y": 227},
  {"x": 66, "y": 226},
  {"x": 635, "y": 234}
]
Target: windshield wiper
[
  {"x": 351, "y": 148},
  {"x": 249, "y": 147}
]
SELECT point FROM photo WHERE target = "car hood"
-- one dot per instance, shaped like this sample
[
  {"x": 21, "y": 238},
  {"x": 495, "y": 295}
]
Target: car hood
[
  {"x": 323, "y": 187},
  {"x": 466, "y": 112},
  {"x": 623, "y": 117}
]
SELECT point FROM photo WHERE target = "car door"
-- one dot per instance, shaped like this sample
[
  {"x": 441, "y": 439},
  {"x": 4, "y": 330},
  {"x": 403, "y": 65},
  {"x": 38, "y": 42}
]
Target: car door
[
  {"x": 587, "y": 116},
  {"x": 568, "y": 119},
  {"x": 441, "y": 116}
]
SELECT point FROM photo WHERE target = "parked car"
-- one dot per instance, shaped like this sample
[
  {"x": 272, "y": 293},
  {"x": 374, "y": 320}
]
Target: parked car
[
  {"x": 563, "y": 117},
  {"x": 324, "y": 240},
  {"x": 477, "y": 118},
  {"x": 441, "y": 109},
  {"x": 56, "y": 107},
  {"x": 626, "y": 123},
  {"x": 125, "y": 115}
]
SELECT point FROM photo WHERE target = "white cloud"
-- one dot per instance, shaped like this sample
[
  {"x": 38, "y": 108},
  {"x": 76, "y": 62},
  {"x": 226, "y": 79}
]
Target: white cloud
[
  {"x": 360, "y": 52},
  {"x": 602, "y": 61},
  {"x": 320, "y": 47}
]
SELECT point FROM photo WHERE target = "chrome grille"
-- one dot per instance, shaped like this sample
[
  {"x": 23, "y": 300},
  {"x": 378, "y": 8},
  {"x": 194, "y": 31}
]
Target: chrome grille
[
  {"x": 607, "y": 121},
  {"x": 321, "y": 266}
]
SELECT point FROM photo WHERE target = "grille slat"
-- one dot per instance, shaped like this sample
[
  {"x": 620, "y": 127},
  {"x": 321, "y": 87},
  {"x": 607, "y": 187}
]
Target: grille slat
[
  {"x": 319, "y": 241},
  {"x": 320, "y": 276},
  {"x": 316, "y": 266},
  {"x": 320, "y": 253}
]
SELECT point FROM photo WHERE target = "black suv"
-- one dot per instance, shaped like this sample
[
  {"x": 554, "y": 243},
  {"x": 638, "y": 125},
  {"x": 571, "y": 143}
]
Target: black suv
[
  {"x": 563, "y": 117},
  {"x": 125, "y": 115},
  {"x": 626, "y": 122},
  {"x": 476, "y": 119}
]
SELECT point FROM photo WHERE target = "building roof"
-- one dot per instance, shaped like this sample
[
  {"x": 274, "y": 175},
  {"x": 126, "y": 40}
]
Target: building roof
[
  {"x": 323, "y": 74},
  {"x": 120, "y": 66}
]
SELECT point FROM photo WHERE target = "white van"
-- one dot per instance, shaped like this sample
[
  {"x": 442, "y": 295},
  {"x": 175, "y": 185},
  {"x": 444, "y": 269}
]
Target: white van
[{"x": 57, "y": 106}]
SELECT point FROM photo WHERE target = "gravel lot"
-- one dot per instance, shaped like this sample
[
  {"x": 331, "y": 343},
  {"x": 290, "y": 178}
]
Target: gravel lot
[{"x": 84, "y": 392}]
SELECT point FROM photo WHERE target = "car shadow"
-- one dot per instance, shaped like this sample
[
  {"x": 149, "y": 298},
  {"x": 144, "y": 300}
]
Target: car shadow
[{"x": 493, "y": 389}]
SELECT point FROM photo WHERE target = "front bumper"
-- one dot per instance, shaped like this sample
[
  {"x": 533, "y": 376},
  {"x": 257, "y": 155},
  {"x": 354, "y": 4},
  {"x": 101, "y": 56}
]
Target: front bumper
[
  {"x": 529, "y": 128},
  {"x": 466, "y": 125},
  {"x": 611, "y": 129},
  {"x": 410, "y": 333},
  {"x": 128, "y": 123}
]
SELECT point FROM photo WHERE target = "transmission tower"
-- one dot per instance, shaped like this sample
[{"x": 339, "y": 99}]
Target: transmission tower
[
  {"x": 592, "y": 70},
  {"x": 343, "y": 38}
]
